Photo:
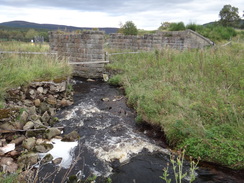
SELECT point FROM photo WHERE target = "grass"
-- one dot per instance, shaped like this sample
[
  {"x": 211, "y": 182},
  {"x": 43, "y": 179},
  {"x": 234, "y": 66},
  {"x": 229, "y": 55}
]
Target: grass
[
  {"x": 22, "y": 46},
  {"x": 19, "y": 70},
  {"x": 196, "y": 96},
  {"x": 11, "y": 178}
]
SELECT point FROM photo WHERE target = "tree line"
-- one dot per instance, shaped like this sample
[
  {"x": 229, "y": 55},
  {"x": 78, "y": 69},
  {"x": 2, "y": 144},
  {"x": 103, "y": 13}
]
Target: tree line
[
  {"x": 223, "y": 29},
  {"x": 22, "y": 34}
]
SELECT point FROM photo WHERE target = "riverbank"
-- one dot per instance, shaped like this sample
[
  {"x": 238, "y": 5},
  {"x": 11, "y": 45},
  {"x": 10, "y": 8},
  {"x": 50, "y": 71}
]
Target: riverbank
[
  {"x": 195, "y": 96},
  {"x": 22, "y": 69}
]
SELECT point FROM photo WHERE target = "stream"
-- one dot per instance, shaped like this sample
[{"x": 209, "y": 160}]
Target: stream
[{"x": 112, "y": 145}]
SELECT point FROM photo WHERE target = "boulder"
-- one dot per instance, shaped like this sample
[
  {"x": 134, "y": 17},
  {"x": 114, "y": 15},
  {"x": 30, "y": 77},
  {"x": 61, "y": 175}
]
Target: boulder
[
  {"x": 43, "y": 107},
  {"x": 24, "y": 116},
  {"x": 7, "y": 126},
  {"x": 52, "y": 132},
  {"x": 28, "y": 103},
  {"x": 57, "y": 161},
  {"x": 72, "y": 136},
  {"x": 18, "y": 140},
  {"x": 8, "y": 165},
  {"x": 19, "y": 124},
  {"x": 47, "y": 158},
  {"x": 40, "y": 89},
  {"x": 51, "y": 100},
  {"x": 63, "y": 102},
  {"x": 28, "y": 125},
  {"x": 31, "y": 110},
  {"x": 52, "y": 111},
  {"x": 45, "y": 117},
  {"x": 37, "y": 102},
  {"x": 37, "y": 124},
  {"x": 34, "y": 117},
  {"x": 7, "y": 148},
  {"x": 43, "y": 147},
  {"x": 29, "y": 143},
  {"x": 28, "y": 159}
]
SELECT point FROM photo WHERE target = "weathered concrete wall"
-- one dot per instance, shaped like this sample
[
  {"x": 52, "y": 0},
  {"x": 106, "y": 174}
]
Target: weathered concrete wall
[
  {"x": 174, "y": 39},
  {"x": 85, "y": 51},
  {"x": 86, "y": 47}
]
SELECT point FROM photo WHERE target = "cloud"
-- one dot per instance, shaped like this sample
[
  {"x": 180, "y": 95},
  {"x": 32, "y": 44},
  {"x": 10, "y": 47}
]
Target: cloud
[{"x": 146, "y": 14}]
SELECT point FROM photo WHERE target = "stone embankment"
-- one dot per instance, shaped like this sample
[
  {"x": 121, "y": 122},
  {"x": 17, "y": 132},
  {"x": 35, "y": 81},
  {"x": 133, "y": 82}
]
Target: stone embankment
[{"x": 26, "y": 123}]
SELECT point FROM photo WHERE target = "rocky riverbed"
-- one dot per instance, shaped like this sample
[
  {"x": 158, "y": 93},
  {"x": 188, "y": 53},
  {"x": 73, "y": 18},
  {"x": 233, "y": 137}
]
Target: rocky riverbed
[
  {"x": 104, "y": 142},
  {"x": 26, "y": 123}
]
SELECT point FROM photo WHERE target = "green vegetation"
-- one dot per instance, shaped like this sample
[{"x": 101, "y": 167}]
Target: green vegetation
[
  {"x": 229, "y": 16},
  {"x": 129, "y": 28},
  {"x": 19, "y": 69},
  {"x": 11, "y": 178},
  {"x": 214, "y": 32},
  {"x": 22, "y": 46},
  {"x": 21, "y": 34},
  {"x": 177, "y": 166},
  {"x": 196, "y": 96},
  {"x": 177, "y": 26}
]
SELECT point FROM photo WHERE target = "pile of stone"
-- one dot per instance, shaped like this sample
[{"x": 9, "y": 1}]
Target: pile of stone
[{"x": 26, "y": 123}]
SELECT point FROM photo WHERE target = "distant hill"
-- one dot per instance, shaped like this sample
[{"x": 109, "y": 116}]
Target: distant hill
[{"x": 24, "y": 24}]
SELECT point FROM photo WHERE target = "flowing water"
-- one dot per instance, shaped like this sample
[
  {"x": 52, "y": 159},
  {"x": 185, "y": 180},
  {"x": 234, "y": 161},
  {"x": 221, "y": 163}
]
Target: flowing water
[{"x": 111, "y": 144}]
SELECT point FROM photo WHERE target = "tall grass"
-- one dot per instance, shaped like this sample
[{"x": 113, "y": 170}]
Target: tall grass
[
  {"x": 195, "y": 96},
  {"x": 16, "y": 70},
  {"x": 22, "y": 46}
]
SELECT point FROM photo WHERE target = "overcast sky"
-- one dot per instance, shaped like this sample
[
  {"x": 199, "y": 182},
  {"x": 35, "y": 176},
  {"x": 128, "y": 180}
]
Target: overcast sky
[{"x": 146, "y": 14}]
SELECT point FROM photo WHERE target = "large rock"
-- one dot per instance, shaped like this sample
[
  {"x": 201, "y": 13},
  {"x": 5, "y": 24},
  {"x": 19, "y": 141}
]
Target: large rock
[
  {"x": 47, "y": 158},
  {"x": 37, "y": 102},
  {"x": 8, "y": 165},
  {"x": 27, "y": 160},
  {"x": 28, "y": 103},
  {"x": 52, "y": 111},
  {"x": 18, "y": 140},
  {"x": 57, "y": 161},
  {"x": 29, "y": 143},
  {"x": 34, "y": 117},
  {"x": 7, "y": 126},
  {"x": 43, "y": 107},
  {"x": 24, "y": 116},
  {"x": 28, "y": 125},
  {"x": 43, "y": 148},
  {"x": 38, "y": 124},
  {"x": 52, "y": 132},
  {"x": 51, "y": 100},
  {"x": 19, "y": 124},
  {"x": 7, "y": 148},
  {"x": 45, "y": 117},
  {"x": 72, "y": 136},
  {"x": 31, "y": 110},
  {"x": 40, "y": 89}
]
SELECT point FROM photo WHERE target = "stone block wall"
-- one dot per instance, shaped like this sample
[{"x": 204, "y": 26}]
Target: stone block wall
[
  {"x": 85, "y": 51},
  {"x": 86, "y": 47},
  {"x": 174, "y": 39}
]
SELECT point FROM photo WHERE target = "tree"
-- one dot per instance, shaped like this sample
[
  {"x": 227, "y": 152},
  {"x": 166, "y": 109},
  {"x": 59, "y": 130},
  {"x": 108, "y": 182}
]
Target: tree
[
  {"x": 229, "y": 16},
  {"x": 164, "y": 26},
  {"x": 30, "y": 34},
  {"x": 129, "y": 28},
  {"x": 177, "y": 26}
]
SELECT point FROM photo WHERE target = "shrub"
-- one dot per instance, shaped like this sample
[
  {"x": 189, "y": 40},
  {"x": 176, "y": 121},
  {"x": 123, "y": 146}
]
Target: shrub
[{"x": 177, "y": 26}]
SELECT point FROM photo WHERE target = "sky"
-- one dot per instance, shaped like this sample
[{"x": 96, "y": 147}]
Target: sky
[{"x": 146, "y": 14}]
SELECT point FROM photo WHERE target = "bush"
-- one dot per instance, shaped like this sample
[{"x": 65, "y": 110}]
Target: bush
[
  {"x": 177, "y": 26},
  {"x": 129, "y": 28},
  {"x": 214, "y": 32}
]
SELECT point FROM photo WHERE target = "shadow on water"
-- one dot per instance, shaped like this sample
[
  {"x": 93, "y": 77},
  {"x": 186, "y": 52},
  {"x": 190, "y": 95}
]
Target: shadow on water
[{"x": 112, "y": 145}]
